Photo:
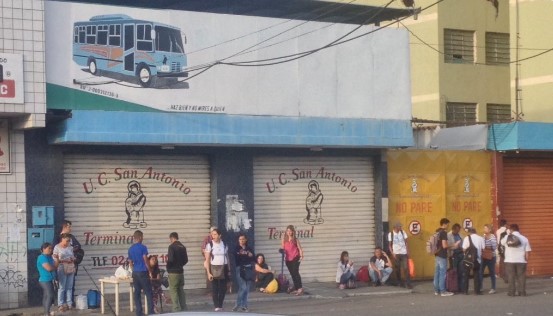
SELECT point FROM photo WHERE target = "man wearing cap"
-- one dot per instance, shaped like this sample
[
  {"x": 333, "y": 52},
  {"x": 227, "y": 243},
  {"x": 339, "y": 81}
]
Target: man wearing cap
[{"x": 397, "y": 241}]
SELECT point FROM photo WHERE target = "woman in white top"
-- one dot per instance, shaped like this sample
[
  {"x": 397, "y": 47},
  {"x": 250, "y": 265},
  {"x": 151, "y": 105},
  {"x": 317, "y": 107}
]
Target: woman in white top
[
  {"x": 344, "y": 272},
  {"x": 65, "y": 260},
  {"x": 216, "y": 259}
]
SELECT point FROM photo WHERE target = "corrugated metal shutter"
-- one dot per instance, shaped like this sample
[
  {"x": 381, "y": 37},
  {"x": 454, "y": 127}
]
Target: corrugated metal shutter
[
  {"x": 528, "y": 202},
  {"x": 97, "y": 193},
  {"x": 346, "y": 220}
]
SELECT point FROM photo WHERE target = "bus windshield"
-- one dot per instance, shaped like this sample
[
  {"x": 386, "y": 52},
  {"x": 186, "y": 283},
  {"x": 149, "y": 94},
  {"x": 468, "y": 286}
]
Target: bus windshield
[{"x": 168, "y": 40}]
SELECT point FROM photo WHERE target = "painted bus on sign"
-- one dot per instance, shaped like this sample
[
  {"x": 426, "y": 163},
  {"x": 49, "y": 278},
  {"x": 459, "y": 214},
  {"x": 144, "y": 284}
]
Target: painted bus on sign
[{"x": 119, "y": 46}]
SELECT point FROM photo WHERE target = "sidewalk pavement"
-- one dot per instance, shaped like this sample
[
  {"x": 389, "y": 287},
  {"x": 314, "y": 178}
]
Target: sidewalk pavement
[{"x": 198, "y": 300}]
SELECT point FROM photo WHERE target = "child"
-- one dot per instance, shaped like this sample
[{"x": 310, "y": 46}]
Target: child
[{"x": 156, "y": 282}]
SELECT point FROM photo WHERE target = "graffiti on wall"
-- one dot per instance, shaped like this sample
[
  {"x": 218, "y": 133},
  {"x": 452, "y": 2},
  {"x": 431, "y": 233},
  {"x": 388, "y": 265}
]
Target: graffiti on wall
[
  {"x": 12, "y": 252},
  {"x": 237, "y": 215},
  {"x": 11, "y": 277}
]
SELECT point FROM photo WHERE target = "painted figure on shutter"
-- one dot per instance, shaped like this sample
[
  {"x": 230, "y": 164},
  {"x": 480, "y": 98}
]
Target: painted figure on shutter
[
  {"x": 134, "y": 206},
  {"x": 237, "y": 215},
  {"x": 313, "y": 204}
]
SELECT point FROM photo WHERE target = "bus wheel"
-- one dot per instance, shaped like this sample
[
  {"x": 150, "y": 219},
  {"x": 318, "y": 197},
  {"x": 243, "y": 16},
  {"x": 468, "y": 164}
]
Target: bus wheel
[
  {"x": 92, "y": 66},
  {"x": 144, "y": 75}
]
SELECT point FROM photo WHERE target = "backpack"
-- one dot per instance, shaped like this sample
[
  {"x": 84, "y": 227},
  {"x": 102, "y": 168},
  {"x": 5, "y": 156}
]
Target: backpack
[
  {"x": 471, "y": 255},
  {"x": 272, "y": 287},
  {"x": 363, "y": 274},
  {"x": 432, "y": 243},
  {"x": 500, "y": 247},
  {"x": 513, "y": 241}
]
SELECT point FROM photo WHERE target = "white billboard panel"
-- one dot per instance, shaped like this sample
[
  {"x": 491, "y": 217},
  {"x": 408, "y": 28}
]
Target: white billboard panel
[{"x": 185, "y": 61}]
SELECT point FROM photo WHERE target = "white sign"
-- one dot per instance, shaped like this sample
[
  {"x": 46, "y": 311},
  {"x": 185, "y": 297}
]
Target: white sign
[
  {"x": 184, "y": 61},
  {"x": 4, "y": 146},
  {"x": 11, "y": 78}
]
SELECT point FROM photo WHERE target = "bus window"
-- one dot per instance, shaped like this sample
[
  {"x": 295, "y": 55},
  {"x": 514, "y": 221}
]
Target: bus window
[
  {"x": 115, "y": 35},
  {"x": 91, "y": 34},
  {"x": 168, "y": 40},
  {"x": 144, "y": 37},
  {"x": 102, "y": 35},
  {"x": 82, "y": 34}
]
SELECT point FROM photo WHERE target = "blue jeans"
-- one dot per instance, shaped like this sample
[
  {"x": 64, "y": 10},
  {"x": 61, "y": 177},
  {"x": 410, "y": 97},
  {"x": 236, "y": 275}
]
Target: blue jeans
[
  {"x": 440, "y": 269},
  {"x": 346, "y": 277},
  {"x": 385, "y": 275},
  {"x": 243, "y": 290},
  {"x": 65, "y": 291},
  {"x": 141, "y": 282},
  {"x": 47, "y": 295},
  {"x": 491, "y": 268}
]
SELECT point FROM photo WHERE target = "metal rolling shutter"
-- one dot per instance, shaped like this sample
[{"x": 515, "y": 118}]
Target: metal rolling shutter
[
  {"x": 281, "y": 193},
  {"x": 96, "y": 194},
  {"x": 527, "y": 201}
]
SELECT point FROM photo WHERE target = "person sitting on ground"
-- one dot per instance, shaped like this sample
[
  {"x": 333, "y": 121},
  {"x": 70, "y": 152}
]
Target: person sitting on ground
[
  {"x": 264, "y": 273},
  {"x": 380, "y": 267},
  {"x": 344, "y": 273}
]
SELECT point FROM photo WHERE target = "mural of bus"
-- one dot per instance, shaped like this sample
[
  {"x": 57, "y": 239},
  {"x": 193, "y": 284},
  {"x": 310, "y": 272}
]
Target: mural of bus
[{"x": 118, "y": 46}]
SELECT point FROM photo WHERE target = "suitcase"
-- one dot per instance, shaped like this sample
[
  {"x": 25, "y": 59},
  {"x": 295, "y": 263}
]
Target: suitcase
[{"x": 451, "y": 283}]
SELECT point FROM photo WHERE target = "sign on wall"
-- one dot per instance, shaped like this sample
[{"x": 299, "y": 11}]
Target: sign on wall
[
  {"x": 182, "y": 61},
  {"x": 4, "y": 146},
  {"x": 425, "y": 186},
  {"x": 11, "y": 78}
]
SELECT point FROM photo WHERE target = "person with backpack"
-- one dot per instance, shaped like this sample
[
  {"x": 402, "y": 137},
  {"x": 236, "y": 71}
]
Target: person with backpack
[
  {"x": 517, "y": 252},
  {"x": 217, "y": 268},
  {"x": 499, "y": 234},
  {"x": 397, "y": 241},
  {"x": 440, "y": 257},
  {"x": 472, "y": 245}
]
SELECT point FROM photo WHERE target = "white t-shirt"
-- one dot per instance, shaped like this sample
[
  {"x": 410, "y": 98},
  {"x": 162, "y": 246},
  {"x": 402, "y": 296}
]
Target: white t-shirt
[
  {"x": 219, "y": 253},
  {"x": 516, "y": 254},
  {"x": 478, "y": 242},
  {"x": 399, "y": 240}
]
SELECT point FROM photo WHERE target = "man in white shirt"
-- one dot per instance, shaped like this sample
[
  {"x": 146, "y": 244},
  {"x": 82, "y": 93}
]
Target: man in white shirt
[
  {"x": 479, "y": 243},
  {"x": 397, "y": 241},
  {"x": 516, "y": 260}
]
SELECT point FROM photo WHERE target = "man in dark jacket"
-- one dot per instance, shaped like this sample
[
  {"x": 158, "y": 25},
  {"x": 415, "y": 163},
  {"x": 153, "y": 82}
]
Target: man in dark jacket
[{"x": 176, "y": 259}]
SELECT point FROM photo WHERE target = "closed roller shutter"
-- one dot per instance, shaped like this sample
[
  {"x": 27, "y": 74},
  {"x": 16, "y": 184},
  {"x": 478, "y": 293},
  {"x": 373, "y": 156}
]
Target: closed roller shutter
[
  {"x": 345, "y": 219},
  {"x": 528, "y": 202},
  {"x": 162, "y": 193}
]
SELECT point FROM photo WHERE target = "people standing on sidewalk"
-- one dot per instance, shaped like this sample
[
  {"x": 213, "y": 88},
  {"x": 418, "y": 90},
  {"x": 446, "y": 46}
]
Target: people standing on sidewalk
[
  {"x": 46, "y": 276},
  {"x": 293, "y": 255},
  {"x": 397, "y": 241},
  {"x": 473, "y": 240},
  {"x": 454, "y": 241},
  {"x": 440, "y": 260},
  {"x": 517, "y": 252},
  {"x": 264, "y": 273},
  {"x": 216, "y": 263},
  {"x": 499, "y": 234},
  {"x": 244, "y": 272},
  {"x": 141, "y": 273},
  {"x": 177, "y": 258},
  {"x": 65, "y": 260},
  {"x": 488, "y": 257},
  {"x": 345, "y": 276},
  {"x": 380, "y": 267}
]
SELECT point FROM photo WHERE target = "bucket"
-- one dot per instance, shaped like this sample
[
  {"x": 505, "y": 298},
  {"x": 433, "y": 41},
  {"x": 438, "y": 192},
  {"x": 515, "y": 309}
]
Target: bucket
[{"x": 81, "y": 302}]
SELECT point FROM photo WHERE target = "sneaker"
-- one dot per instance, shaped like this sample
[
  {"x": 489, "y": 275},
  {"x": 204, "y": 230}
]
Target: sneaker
[
  {"x": 446, "y": 293},
  {"x": 342, "y": 286},
  {"x": 245, "y": 309},
  {"x": 492, "y": 291},
  {"x": 409, "y": 287},
  {"x": 218, "y": 309},
  {"x": 436, "y": 293},
  {"x": 235, "y": 308}
]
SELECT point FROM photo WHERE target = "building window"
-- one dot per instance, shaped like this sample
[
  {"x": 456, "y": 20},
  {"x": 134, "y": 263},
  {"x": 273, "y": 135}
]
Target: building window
[
  {"x": 497, "y": 49},
  {"x": 458, "y": 46},
  {"x": 460, "y": 114},
  {"x": 497, "y": 113}
]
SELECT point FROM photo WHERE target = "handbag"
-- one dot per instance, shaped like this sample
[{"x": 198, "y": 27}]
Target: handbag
[
  {"x": 487, "y": 254},
  {"x": 217, "y": 271},
  {"x": 246, "y": 272},
  {"x": 69, "y": 268}
]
